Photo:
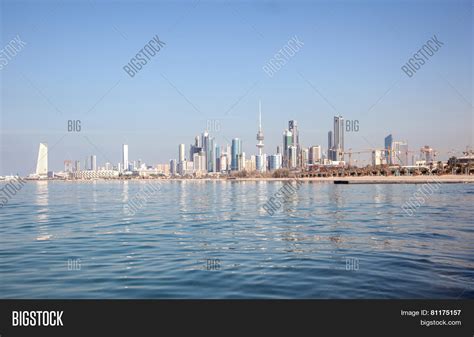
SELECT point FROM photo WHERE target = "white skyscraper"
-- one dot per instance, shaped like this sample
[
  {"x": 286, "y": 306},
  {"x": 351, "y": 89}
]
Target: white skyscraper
[
  {"x": 181, "y": 153},
  {"x": 125, "y": 156},
  {"x": 314, "y": 154},
  {"x": 93, "y": 163},
  {"x": 42, "y": 163}
]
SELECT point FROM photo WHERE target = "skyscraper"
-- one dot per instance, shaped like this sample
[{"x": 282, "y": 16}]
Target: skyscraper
[
  {"x": 314, "y": 155},
  {"x": 236, "y": 153},
  {"x": 287, "y": 142},
  {"x": 304, "y": 157},
  {"x": 211, "y": 155},
  {"x": 77, "y": 166},
  {"x": 181, "y": 148},
  {"x": 339, "y": 137},
  {"x": 125, "y": 157},
  {"x": 330, "y": 146},
  {"x": 205, "y": 147},
  {"x": 218, "y": 159},
  {"x": 42, "y": 163},
  {"x": 293, "y": 127},
  {"x": 377, "y": 156},
  {"x": 388, "y": 149},
  {"x": 292, "y": 156},
  {"x": 94, "y": 163},
  {"x": 275, "y": 162},
  {"x": 260, "y": 159},
  {"x": 399, "y": 153},
  {"x": 173, "y": 167}
]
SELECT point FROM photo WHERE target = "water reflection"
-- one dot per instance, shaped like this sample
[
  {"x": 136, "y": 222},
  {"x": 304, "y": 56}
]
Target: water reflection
[{"x": 42, "y": 212}]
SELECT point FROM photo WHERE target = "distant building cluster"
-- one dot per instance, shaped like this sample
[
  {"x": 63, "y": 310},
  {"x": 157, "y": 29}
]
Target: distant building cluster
[{"x": 204, "y": 157}]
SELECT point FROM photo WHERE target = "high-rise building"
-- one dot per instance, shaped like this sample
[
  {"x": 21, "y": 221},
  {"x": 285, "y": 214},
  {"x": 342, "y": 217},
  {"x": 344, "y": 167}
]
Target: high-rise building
[
  {"x": 42, "y": 163},
  {"x": 211, "y": 155},
  {"x": 287, "y": 142},
  {"x": 241, "y": 161},
  {"x": 235, "y": 152},
  {"x": 94, "y": 163},
  {"x": 427, "y": 153},
  {"x": 339, "y": 137},
  {"x": 388, "y": 149},
  {"x": 125, "y": 156},
  {"x": 304, "y": 157},
  {"x": 274, "y": 162},
  {"x": 400, "y": 153},
  {"x": 293, "y": 128},
  {"x": 205, "y": 146},
  {"x": 314, "y": 156},
  {"x": 173, "y": 167},
  {"x": 377, "y": 157},
  {"x": 259, "y": 162},
  {"x": 218, "y": 158},
  {"x": 181, "y": 149},
  {"x": 293, "y": 157},
  {"x": 251, "y": 164},
  {"x": 194, "y": 149},
  {"x": 200, "y": 162},
  {"x": 197, "y": 141},
  {"x": 331, "y": 146},
  {"x": 224, "y": 163},
  {"x": 77, "y": 166}
]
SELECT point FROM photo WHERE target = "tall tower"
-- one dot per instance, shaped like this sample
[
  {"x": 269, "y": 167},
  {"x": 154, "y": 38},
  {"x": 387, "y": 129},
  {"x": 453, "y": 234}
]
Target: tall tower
[
  {"x": 260, "y": 131},
  {"x": 42, "y": 163},
  {"x": 181, "y": 153},
  {"x": 293, "y": 127},
  {"x": 287, "y": 142},
  {"x": 94, "y": 163},
  {"x": 388, "y": 149},
  {"x": 236, "y": 152},
  {"x": 339, "y": 137},
  {"x": 330, "y": 146},
  {"x": 125, "y": 157}
]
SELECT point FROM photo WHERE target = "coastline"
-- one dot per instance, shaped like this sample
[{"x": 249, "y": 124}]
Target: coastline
[{"x": 444, "y": 179}]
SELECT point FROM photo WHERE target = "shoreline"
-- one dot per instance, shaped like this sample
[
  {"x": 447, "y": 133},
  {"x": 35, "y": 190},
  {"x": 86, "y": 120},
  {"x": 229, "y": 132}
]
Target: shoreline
[{"x": 445, "y": 179}]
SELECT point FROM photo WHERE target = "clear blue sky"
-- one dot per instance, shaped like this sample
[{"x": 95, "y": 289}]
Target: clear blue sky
[{"x": 214, "y": 56}]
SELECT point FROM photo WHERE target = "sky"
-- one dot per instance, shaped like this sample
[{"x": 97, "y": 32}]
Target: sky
[{"x": 210, "y": 69}]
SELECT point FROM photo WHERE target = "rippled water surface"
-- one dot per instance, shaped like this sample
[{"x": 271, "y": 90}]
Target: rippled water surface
[{"x": 198, "y": 239}]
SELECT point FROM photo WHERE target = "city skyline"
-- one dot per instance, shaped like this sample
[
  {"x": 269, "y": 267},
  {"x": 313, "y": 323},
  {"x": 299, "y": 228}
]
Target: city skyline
[
  {"x": 168, "y": 100},
  {"x": 208, "y": 156}
]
